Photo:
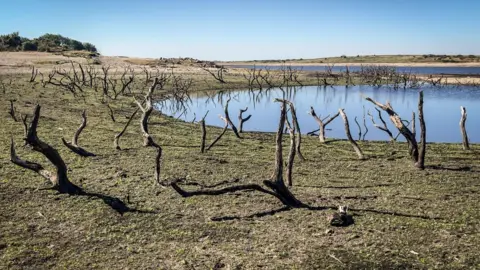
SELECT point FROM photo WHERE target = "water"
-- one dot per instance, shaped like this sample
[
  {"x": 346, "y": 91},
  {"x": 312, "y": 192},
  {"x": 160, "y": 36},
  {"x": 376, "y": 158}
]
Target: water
[
  {"x": 413, "y": 70},
  {"x": 441, "y": 109}
]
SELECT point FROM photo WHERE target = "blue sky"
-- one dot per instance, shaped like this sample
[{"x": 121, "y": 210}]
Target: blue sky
[{"x": 253, "y": 29}]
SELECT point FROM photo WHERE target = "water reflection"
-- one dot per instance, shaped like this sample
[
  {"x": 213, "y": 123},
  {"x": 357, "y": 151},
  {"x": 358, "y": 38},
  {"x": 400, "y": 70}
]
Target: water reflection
[{"x": 441, "y": 109}]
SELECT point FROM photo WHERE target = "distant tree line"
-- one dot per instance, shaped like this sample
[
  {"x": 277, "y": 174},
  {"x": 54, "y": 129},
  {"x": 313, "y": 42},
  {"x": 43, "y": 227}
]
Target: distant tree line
[{"x": 45, "y": 43}]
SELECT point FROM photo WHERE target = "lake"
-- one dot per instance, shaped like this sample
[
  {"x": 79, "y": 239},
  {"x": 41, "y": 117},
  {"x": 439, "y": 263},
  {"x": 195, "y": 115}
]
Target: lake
[
  {"x": 441, "y": 109},
  {"x": 414, "y": 70}
]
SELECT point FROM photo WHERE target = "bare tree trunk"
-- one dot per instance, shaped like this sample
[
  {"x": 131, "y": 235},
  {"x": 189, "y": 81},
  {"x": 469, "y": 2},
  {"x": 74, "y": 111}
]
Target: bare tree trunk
[
  {"x": 147, "y": 139},
  {"x": 322, "y": 123},
  {"x": 349, "y": 136},
  {"x": 364, "y": 124},
  {"x": 110, "y": 110},
  {"x": 12, "y": 111},
  {"x": 291, "y": 154},
  {"x": 242, "y": 120},
  {"x": 220, "y": 135},
  {"x": 359, "y": 129},
  {"x": 60, "y": 180},
  {"x": 117, "y": 137},
  {"x": 413, "y": 124},
  {"x": 397, "y": 121},
  {"x": 296, "y": 125},
  {"x": 73, "y": 146},
  {"x": 466, "y": 144},
  {"x": 423, "y": 134},
  {"x": 204, "y": 133},
  {"x": 227, "y": 117}
]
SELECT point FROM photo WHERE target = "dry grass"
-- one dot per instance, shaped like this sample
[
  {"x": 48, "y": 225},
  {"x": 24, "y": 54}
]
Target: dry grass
[{"x": 404, "y": 218}]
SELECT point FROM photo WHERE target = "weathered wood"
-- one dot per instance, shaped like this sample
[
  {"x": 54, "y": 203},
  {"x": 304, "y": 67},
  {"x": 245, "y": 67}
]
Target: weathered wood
[
  {"x": 322, "y": 123},
  {"x": 397, "y": 121},
  {"x": 204, "y": 133},
  {"x": 117, "y": 136},
  {"x": 413, "y": 125},
  {"x": 296, "y": 125},
  {"x": 291, "y": 154},
  {"x": 359, "y": 129},
  {"x": 227, "y": 117},
  {"x": 221, "y": 134},
  {"x": 423, "y": 134},
  {"x": 349, "y": 136},
  {"x": 242, "y": 120},
  {"x": 73, "y": 146},
  {"x": 463, "y": 119},
  {"x": 59, "y": 180},
  {"x": 147, "y": 138},
  {"x": 385, "y": 127},
  {"x": 110, "y": 110},
  {"x": 12, "y": 111}
]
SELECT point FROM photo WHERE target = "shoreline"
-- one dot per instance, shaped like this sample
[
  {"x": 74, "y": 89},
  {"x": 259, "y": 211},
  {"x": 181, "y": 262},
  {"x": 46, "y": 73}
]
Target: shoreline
[{"x": 429, "y": 64}]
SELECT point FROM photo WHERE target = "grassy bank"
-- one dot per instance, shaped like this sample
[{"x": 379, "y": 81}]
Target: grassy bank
[{"x": 404, "y": 218}]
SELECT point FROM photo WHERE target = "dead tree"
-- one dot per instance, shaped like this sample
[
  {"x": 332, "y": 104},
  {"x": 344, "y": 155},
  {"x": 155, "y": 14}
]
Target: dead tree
[
  {"x": 110, "y": 111},
  {"x": 276, "y": 186},
  {"x": 25, "y": 125},
  {"x": 463, "y": 119},
  {"x": 296, "y": 125},
  {"x": 291, "y": 154},
  {"x": 413, "y": 125},
  {"x": 73, "y": 146},
  {"x": 364, "y": 124},
  {"x": 322, "y": 123},
  {"x": 349, "y": 136},
  {"x": 34, "y": 74},
  {"x": 117, "y": 137},
  {"x": 242, "y": 120},
  {"x": 147, "y": 139},
  {"x": 423, "y": 134},
  {"x": 397, "y": 121},
  {"x": 59, "y": 180},
  {"x": 227, "y": 117},
  {"x": 221, "y": 134},
  {"x": 204, "y": 133},
  {"x": 359, "y": 129},
  {"x": 12, "y": 111},
  {"x": 219, "y": 73},
  {"x": 384, "y": 127}
]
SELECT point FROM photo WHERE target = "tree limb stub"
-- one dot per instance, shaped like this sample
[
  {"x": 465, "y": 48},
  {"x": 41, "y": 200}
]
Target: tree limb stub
[
  {"x": 385, "y": 127},
  {"x": 349, "y": 136},
  {"x": 221, "y": 134},
  {"x": 204, "y": 133},
  {"x": 227, "y": 117},
  {"x": 296, "y": 125},
  {"x": 73, "y": 146},
  {"x": 463, "y": 119}
]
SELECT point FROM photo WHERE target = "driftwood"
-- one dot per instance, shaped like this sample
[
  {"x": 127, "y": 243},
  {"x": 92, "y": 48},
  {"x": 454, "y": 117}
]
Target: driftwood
[
  {"x": 117, "y": 137},
  {"x": 384, "y": 127},
  {"x": 276, "y": 184},
  {"x": 59, "y": 180},
  {"x": 221, "y": 134},
  {"x": 349, "y": 136},
  {"x": 242, "y": 120},
  {"x": 204, "y": 133},
  {"x": 147, "y": 139},
  {"x": 73, "y": 146},
  {"x": 322, "y": 123},
  {"x": 423, "y": 134},
  {"x": 397, "y": 121},
  {"x": 463, "y": 119}
]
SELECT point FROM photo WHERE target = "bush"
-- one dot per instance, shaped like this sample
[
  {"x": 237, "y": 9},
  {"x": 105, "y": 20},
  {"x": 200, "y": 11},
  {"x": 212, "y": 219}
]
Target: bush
[{"x": 29, "y": 46}]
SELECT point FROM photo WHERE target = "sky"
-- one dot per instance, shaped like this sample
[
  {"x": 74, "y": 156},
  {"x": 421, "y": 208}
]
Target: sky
[{"x": 253, "y": 29}]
